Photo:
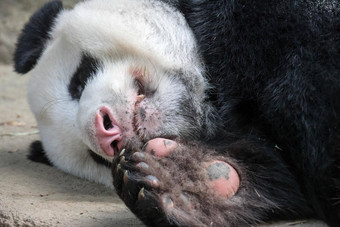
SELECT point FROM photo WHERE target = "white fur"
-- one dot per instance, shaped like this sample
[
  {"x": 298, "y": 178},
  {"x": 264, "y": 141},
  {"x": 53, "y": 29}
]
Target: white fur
[{"x": 121, "y": 34}]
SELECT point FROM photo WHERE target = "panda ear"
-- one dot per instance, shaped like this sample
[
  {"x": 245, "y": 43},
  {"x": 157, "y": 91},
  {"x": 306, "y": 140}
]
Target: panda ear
[{"x": 34, "y": 36}]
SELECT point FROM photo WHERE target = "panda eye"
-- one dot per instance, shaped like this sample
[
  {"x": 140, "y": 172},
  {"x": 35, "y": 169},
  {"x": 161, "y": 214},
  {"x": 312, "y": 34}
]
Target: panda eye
[{"x": 87, "y": 68}]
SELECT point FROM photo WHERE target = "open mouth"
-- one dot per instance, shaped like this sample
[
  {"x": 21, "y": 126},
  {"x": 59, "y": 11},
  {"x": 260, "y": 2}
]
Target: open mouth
[{"x": 114, "y": 146}]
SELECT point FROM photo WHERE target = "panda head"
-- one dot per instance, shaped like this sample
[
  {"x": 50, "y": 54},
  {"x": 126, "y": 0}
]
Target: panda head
[{"x": 129, "y": 71}]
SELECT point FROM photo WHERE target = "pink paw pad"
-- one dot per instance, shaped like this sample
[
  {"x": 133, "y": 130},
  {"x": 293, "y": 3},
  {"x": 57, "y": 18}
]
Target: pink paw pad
[
  {"x": 160, "y": 147},
  {"x": 222, "y": 178}
]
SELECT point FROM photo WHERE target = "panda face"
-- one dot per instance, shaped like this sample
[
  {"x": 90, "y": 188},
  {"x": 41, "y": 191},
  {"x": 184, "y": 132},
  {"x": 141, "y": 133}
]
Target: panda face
[
  {"x": 130, "y": 101},
  {"x": 112, "y": 75}
]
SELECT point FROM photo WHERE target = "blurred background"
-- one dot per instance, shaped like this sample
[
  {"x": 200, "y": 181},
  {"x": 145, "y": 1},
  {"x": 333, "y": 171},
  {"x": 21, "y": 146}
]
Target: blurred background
[{"x": 13, "y": 15}]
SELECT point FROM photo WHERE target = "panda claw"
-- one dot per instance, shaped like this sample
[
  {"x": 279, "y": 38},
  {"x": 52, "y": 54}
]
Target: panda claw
[
  {"x": 141, "y": 194},
  {"x": 126, "y": 177},
  {"x": 122, "y": 160},
  {"x": 118, "y": 168},
  {"x": 122, "y": 152}
]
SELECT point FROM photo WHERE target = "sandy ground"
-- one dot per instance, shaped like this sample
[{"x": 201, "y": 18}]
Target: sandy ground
[{"x": 33, "y": 194}]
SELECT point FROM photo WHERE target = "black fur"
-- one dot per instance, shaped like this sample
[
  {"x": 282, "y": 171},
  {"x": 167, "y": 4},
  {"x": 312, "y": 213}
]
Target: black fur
[
  {"x": 275, "y": 69},
  {"x": 99, "y": 159},
  {"x": 88, "y": 66},
  {"x": 33, "y": 37},
  {"x": 37, "y": 153},
  {"x": 283, "y": 58}
]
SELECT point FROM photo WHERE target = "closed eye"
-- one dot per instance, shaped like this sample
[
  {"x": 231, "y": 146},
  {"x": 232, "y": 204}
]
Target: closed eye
[{"x": 140, "y": 87}]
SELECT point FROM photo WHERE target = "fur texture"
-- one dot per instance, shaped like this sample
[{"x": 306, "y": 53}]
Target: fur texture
[
  {"x": 268, "y": 190},
  {"x": 266, "y": 103},
  {"x": 278, "y": 64},
  {"x": 274, "y": 68}
]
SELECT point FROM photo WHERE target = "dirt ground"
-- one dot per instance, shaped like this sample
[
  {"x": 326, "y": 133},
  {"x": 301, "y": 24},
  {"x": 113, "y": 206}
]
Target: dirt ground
[{"x": 33, "y": 194}]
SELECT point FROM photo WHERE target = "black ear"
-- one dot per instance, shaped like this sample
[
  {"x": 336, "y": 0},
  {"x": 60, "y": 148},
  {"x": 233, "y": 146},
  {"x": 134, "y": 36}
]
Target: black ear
[{"x": 34, "y": 35}]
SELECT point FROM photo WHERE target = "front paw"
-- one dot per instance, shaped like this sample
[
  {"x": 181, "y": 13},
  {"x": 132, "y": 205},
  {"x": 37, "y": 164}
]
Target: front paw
[{"x": 168, "y": 183}]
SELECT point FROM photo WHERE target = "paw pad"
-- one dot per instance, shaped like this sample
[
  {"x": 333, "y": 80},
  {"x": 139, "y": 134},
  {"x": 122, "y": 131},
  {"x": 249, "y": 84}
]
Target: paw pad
[
  {"x": 222, "y": 178},
  {"x": 160, "y": 147},
  {"x": 143, "y": 166},
  {"x": 153, "y": 181},
  {"x": 167, "y": 201}
]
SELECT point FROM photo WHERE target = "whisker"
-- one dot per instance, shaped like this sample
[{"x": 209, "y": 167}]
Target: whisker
[{"x": 51, "y": 103}]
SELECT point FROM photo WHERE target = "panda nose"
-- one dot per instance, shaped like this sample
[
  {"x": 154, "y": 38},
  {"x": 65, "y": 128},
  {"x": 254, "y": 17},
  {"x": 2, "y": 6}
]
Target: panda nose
[{"x": 108, "y": 133}]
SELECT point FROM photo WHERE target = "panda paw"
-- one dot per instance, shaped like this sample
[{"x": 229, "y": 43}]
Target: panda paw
[
  {"x": 172, "y": 184},
  {"x": 37, "y": 153}
]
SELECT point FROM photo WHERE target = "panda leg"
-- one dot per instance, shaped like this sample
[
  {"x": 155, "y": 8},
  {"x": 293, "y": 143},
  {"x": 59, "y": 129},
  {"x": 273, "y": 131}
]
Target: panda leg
[{"x": 179, "y": 184}]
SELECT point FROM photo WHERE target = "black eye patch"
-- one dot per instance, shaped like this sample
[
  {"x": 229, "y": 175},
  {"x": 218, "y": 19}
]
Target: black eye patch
[{"x": 87, "y": 68}]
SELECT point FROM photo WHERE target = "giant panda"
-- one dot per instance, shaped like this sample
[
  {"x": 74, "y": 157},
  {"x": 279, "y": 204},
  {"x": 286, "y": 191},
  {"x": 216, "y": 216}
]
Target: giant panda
[{"x": 200, "y": 113}]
